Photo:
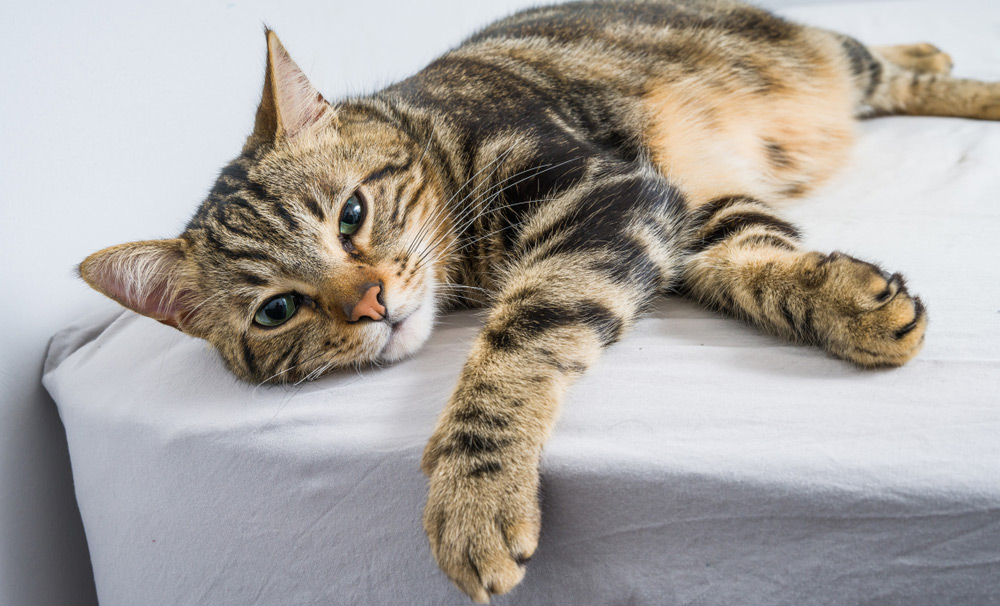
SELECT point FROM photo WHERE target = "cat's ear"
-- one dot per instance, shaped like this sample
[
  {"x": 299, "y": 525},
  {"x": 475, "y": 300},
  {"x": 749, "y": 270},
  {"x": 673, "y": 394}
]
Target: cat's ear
[
  {"x": 148, "y": 277},
  {"x": 290, "y": 105}
]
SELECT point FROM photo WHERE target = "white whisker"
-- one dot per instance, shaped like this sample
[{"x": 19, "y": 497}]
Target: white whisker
[
  {"x": 442, "y": 211},
  {"x": 494, "y": 191}
]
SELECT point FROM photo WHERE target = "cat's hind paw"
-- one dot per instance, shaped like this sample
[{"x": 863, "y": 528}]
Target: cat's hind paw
[{"x": 921, "y": 57}]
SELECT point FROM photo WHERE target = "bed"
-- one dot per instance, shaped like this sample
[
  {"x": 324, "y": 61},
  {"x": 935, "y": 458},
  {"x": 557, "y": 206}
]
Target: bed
[{"x": 698, "y": 462}]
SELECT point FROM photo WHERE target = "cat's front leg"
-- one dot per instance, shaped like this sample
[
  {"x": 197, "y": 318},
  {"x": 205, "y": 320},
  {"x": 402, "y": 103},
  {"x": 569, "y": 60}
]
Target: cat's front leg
[
  {"x": 746, "y": 261},
  {"x": 585, "y": 267},
  {"x": 482, "y": 515}
]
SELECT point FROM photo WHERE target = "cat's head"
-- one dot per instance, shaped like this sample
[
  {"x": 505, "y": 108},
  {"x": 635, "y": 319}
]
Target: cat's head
[{"x": 316, "y": 248}]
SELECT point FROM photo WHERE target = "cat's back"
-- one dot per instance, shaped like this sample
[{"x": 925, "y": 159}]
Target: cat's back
[
  {"x": 605, "y": 19},
  {"x": 605, "y": 55},
  {"x": 660, "y": 79},
  {"x": 615, "y": 45}
]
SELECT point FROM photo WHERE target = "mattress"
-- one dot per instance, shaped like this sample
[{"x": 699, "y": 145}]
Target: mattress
[{"x": 698, "y": 462}]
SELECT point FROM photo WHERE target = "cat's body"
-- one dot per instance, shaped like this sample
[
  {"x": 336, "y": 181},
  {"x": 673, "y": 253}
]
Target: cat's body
[{"x": 563, "y": 167}]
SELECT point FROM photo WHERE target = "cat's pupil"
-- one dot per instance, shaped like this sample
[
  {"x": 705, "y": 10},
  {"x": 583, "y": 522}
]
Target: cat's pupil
[
  {"x": 277, "y": 309},
  {"x": 350, "y": 217}
]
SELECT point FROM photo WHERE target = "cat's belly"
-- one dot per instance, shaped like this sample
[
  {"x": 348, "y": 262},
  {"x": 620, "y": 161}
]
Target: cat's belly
[
  {"x": 770, "y": 147},
  {"x": 772, "y": 124}
]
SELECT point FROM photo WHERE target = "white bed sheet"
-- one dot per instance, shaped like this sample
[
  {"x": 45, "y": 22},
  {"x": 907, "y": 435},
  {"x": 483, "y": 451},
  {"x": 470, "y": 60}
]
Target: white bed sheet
[{"x": 699, "y": 462}]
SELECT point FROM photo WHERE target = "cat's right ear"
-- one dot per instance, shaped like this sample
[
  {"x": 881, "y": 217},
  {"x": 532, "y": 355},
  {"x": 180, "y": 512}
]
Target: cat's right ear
[
  {"x": 148, "y": 277},
  {"x": 289, "y": 105}
]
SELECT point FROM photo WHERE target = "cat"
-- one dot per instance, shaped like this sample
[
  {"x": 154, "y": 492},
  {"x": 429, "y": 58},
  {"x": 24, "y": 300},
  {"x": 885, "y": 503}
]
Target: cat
[{"x": 562, "y": 167}]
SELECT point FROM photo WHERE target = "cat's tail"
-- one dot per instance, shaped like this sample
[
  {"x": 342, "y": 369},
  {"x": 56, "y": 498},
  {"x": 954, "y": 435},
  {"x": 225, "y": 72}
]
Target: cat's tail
[{"x": 915, "y": 79}]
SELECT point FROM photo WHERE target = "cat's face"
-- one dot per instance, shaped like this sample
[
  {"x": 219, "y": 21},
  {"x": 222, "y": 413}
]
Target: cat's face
[
  {"x": 316, "y": 248},
  {"x": 313, "y": 255}
]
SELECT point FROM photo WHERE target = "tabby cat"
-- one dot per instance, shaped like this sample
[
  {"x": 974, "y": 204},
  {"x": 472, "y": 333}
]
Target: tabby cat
[{"x": 563, "y": 167}]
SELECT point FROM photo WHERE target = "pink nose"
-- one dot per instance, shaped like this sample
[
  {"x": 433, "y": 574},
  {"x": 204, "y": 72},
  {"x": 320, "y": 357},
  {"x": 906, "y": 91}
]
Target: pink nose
[{"x": 368, "y": 307}]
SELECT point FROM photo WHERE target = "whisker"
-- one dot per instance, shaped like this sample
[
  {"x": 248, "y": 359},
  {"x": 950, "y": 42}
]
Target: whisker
[
  {"x": 495, "y": 163},
  {"x": 442, "y": 210},
  {"x": 430, "y": 139},
  {"x": 464, "y": 286},
  {"x": 477, "y": 239},
  {"x": 494, "y": 192},
  {"x": 290, "y": 368},
  {"x": 462, "y": 221},
  {"x": 295, "y": 391},
  {"x": 207, "y": 299}
]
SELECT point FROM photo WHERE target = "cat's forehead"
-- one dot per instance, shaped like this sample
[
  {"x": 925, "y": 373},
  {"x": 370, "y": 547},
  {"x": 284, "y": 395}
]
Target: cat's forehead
[{"x": 355, "y": 152}]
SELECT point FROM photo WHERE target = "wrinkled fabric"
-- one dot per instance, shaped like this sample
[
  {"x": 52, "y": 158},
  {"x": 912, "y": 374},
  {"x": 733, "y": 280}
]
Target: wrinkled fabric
[{"x": 698, "y": 462}]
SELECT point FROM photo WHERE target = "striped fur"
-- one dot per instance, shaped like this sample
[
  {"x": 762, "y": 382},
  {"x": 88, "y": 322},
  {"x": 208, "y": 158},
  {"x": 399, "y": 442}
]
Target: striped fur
[{"x": 562, "y": 167}]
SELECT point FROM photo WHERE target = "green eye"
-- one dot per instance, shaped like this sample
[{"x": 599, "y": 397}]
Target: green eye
[
  {"x": 352, "y": 216},
  {"x": 277, "y": 310}
]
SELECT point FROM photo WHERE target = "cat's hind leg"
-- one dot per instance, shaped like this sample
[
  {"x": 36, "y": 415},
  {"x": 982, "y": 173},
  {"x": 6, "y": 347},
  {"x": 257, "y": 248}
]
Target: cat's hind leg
[
  {"x": 916, "y": 80},
  {"x": 746, "y": 261},
  {"x": 919, "y": 57}
]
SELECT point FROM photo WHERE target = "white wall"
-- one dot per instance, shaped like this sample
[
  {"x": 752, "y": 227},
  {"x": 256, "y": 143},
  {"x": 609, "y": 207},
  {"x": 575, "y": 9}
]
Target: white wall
[{"x": 116, "y": 117}]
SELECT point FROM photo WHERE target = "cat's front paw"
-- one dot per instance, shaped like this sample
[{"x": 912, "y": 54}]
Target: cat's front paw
[
  {"x": 482, "y": 516},
  {"x": 866, "y": 315}
]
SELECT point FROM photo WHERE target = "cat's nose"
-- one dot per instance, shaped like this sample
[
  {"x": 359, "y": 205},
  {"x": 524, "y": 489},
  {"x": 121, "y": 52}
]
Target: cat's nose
[{"x": 369, "y": 306}]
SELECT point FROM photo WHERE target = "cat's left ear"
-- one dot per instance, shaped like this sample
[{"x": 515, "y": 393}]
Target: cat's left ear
[
  {"x": 289, "y": 105},
  {"x": 152, "y": 278}
]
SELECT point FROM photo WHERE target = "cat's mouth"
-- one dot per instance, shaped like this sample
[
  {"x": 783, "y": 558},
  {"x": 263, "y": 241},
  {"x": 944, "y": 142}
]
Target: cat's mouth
[
  {"x": 407, "y": 334},
  {"x": 395, "y": 328},
  {"x": 398, "y": 344}
]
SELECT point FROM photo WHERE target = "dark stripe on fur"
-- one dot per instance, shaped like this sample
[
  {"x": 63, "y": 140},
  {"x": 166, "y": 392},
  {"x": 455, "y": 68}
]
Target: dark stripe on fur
[
  {"x": 602, "y": 215},
  {"x": 235, "y": 171},
  {"x": 862, "y": 63},
  {"x": 313, "y": 207},
  {"x": 786, "y": 313},
  {"x": 736, "y": 222},
  {"x": 286, "y": 216},
  {"x": 482, "y": 418},
  {"x": 249, "y": 359},
  {"x": 486, "y": 468},
  {"x": 777, "y": 155},
  {"x": 252, "y": 279},
  {"x": 766, "y": 239},
  {"x": 412, "y": 203},
  {"x": 548, "y": 357},
  {"x": 858, "y": 55},
  {"x": 389, "y": 170},
  {"x": 475, "y": 444},
  {"x": 259, "y": 192},
  {"x": 235, "y": 213},
  {"x": 291, "y": 353},
  {"x": 705, "y": 212},
  {"x": 236, "y": 255},
  {"x": 532, "y": 320},
  {"x": 627, "y": 261},
  {"x": 808, "y": 329}
]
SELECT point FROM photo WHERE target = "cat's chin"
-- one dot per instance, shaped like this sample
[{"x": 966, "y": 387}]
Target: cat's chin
[{"x": 408, "y": 335}]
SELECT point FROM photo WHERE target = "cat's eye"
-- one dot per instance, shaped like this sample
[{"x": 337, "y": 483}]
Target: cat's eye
[
  {"x": 277, "y": 310},
  {"x": 351, "y": 216}
]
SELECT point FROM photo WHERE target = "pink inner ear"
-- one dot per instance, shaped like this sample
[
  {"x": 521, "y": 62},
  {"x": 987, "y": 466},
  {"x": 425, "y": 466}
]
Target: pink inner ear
[
  {"x": 299, "y": 104},
  {"x": 158, "y": 301},
  {"x": 142, "y": 276}
]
